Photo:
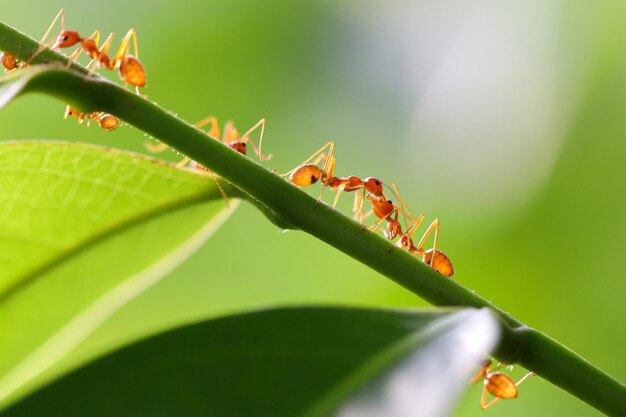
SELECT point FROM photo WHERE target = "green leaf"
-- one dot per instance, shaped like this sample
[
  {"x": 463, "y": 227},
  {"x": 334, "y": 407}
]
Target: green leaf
[
  {"x": 83, "y": 230},
  {"x": 313, "y": 361}
]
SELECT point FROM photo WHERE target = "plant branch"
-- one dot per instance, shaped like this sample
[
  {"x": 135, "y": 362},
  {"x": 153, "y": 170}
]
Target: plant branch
[{"x": 289, "y": 207}]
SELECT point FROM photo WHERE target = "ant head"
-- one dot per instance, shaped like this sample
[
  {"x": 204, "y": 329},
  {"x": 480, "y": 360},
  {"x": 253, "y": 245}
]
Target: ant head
[
  {"x": 66, "y": 39},
  {"x": 239, "y": 146},
  {"x": 69, "y": 111},
  {"x": 374, "y": 186}
]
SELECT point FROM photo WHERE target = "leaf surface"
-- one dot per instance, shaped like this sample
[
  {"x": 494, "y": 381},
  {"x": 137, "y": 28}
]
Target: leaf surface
[
  {"x": 305, "y": 361},
  {"x": 83, "y": 230}
]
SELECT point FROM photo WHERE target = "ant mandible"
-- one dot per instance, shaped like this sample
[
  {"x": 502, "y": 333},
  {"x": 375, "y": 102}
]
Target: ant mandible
[
  {"x": 130, "y": 68},
  {"x": 497, "y": 384}
]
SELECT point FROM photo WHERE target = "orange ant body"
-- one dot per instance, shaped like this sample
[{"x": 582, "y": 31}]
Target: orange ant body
[
  {"x": 9, "y": 62},
  {"x": 307, "y": 174},
  {"x": 435, "y": 258},
  {"x": 497, "y": 384},
  {"x": 130, "y": 68},
  {"x": 106, "y": 121},
  {"x": 385, "y": 210},
  {"x": 231, "y": 138}
]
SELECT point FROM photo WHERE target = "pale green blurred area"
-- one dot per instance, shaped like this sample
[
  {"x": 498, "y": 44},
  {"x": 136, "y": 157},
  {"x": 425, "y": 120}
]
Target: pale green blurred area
[{"x": 504, "y": 119}]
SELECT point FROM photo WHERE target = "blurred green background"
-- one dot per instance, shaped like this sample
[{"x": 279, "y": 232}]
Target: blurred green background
[{"x": 504, "y": 119}]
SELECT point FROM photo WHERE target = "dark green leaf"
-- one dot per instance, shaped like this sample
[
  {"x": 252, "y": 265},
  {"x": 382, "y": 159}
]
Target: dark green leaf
[{"x": 286, "y": 362}]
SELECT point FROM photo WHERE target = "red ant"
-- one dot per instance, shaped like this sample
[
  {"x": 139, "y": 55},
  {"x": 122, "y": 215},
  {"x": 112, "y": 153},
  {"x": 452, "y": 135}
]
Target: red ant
[
  {"x": 231, "y": 138},
  {"x": 307, "y": 174},
  {"x": 435, "y": 258},
  {"x": 106, "y": 121},
  {"x": 497, "y": 384},
  {"x": 9, "y": 62},
  {"x": 385, "y": 210},
  {"x": 130, "y": 67}
]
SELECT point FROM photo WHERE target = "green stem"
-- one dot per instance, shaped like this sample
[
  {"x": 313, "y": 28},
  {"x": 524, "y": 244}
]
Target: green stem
[{"x": 289, "y": 207}]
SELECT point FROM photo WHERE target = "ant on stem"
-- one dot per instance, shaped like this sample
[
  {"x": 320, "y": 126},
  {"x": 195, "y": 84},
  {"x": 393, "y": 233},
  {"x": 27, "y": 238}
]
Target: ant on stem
[
  {"x": 385, "y": 210},
  {"x": 104, "y": 120},
  {"x": 9, "y": 62},
  {"x": 130, "y": 68},
  {"x": 308, "y": 173},
  {"x": 230, "y": 138},
  {"x": 497, "y": 384},
  {"x": 435, "y": 258}
]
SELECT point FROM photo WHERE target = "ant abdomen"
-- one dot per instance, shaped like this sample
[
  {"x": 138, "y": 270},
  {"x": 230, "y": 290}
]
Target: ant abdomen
[
  {"x": 441, "y": 263},
  {"x": 501, "y": 386},
  {"x": 9, "y": 62},
  {"x": 108, "y": 122},
  {"x": 305, "y": 175},
  {"x": 132, "y": 71}
]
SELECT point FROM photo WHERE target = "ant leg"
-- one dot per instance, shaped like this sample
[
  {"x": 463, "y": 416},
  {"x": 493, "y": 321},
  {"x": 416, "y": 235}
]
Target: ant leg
[
  {"x": 483, "y": 400},
  {"x": 357, "y": 206},
  {"x": 219, "y": 187},
  {"x": 214, "y": 131},
  {"x": 182, "y": 162},
  {"x": 317, "y": 153},
  {"x": 231, "y": 133},
  {"x": 156, "y": 148},
  {"x": 433, "y": 226},
  {"x": 327, "y": 172},
  {"x": 162, "y": 147},
  {"x": 367, "y": 215},
  {"x": 410, "y": 231},
  {"x": 95, "y": 36},
  {"x": 124, "y": 48},
  {"x": 104, "y": 49},
  {"x": 246, "y": 136},
  {"x": 524, "y": 378},
  {"x": 480, "y": 373},
  {"x": 405, "y": 208},
  {"x": 61, "y": 15},
  {"x": 339, "y": 191},
  {"x": 42, "y": 44},
  {"x": 382, "y": 219}
]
